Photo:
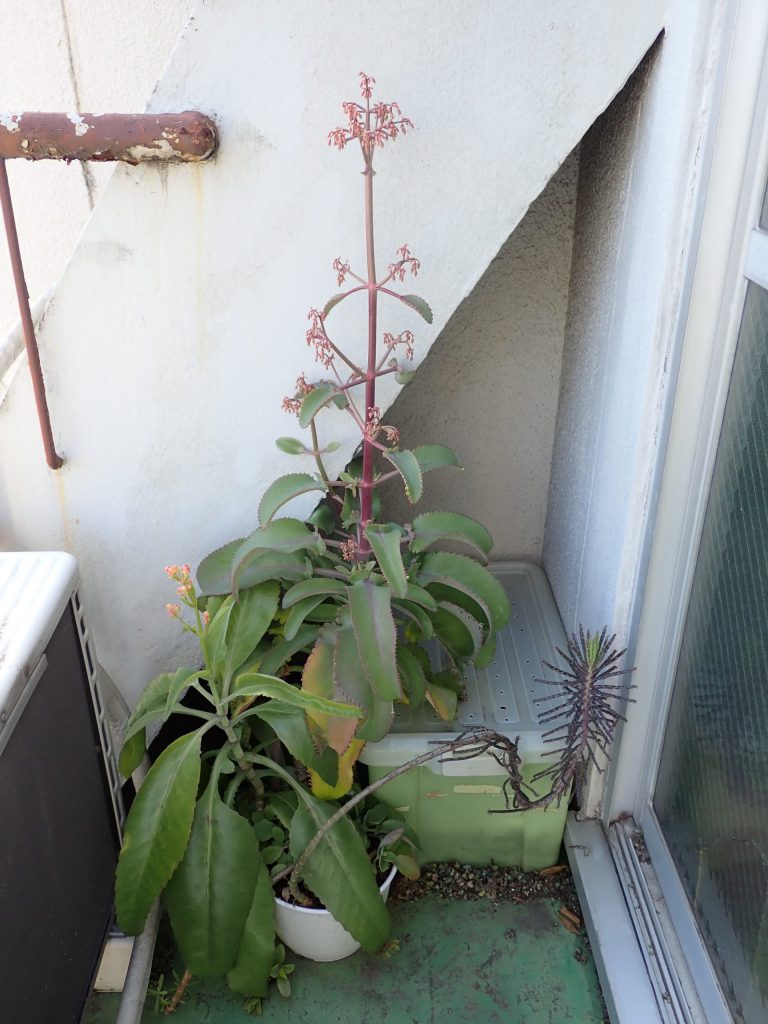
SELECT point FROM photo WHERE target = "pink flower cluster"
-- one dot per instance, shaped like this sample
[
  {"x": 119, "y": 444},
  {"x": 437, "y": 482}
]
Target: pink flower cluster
[
  {"x": 397, "y": 269},
  {"x": 373, "y": 423},
  {"x": 406, "y": 338},
  {"x": 316, "y": 336},
  {"x": 303, "y": 387},
  {"x": 349, "y": 550},
  {"x": 181, "y": 574},
  {"x": 342, "y": 269},
  {"x": 371, "y": 125}
]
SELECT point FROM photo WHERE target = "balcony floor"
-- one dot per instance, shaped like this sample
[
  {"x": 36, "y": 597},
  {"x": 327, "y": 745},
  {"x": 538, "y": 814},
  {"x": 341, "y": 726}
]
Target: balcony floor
[{"x": 458, "y": 962}]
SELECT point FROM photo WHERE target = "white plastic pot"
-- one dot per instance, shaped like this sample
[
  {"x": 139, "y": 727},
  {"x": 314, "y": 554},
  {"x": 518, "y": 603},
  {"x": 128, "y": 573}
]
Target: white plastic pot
[{"x": 316, "y": 934}]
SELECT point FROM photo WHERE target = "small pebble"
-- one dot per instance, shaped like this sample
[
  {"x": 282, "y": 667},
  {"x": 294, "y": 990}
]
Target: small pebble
[{"x": 457, "y": 881}]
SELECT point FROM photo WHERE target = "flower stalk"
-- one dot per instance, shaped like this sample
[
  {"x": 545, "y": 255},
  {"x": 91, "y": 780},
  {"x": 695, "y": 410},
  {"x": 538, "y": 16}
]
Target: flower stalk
[{"x": 371, "y": 124}]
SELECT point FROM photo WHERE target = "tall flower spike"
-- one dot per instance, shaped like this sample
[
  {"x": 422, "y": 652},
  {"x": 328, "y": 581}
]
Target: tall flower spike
[{"x": 371, "y": 125}]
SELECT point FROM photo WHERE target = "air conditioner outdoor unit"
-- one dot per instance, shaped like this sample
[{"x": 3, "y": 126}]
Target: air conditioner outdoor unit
[{"x": 61, "y": 808}]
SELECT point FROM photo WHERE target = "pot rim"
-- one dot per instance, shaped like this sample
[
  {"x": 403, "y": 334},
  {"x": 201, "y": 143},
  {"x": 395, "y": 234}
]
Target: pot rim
[{"x": 313, "y": 910}]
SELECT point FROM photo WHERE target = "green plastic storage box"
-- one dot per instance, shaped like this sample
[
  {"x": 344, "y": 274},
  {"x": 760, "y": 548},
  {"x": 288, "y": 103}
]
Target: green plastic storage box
[{"x": 447, "y": 803}]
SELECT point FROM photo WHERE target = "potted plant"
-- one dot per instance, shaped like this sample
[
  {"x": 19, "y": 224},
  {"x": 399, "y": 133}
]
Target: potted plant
[
  {"x": 361, "y": 596},
  {"x": 225, "y": 812},
  {"x": 309, "y": 631}
]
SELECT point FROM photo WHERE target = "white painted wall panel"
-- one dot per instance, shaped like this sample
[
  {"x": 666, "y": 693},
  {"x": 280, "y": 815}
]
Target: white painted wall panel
[
  {"x": 179, "y": 323},
  {"x": 69, "y": 55}
]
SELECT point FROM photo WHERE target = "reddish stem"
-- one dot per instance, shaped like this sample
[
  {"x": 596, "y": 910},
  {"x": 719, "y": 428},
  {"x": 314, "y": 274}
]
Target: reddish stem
[{"x": 366, "y": 488}]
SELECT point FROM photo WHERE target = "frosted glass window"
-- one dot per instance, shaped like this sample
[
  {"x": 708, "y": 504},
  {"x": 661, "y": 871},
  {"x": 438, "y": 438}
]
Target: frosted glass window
[{"x": 712, "y": 790}]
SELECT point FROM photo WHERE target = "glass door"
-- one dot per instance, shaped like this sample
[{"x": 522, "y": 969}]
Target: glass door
[
  {"x": 711, "y": 793},
  {"x": 692, "y": 766}
]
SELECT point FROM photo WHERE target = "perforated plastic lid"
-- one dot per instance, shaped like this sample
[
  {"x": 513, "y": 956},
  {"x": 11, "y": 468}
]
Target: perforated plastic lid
[{"x": 501, "y": 696}]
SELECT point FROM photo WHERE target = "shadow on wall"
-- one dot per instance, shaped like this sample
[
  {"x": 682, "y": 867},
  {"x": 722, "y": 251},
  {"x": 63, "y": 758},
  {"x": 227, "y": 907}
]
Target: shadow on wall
[{"x": 489, "y": 386}]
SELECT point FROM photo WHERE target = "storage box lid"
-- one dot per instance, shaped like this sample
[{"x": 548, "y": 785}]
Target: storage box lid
[
  {"x": 499, "y": 697},
  {"x": 35, "y": 587}
]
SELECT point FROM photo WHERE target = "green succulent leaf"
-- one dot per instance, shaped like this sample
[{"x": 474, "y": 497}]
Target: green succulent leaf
[
  {"x": 271, "y": 565},
  {"x": 255, "y": 684},
  {"x": 180, "y": 682},
  {"x": 340, "y": 874},
  {"x": 214, "y": 574},
  {"x": 417, "y": 615},
  {"x": 333, "y": 301},
  {"x": 407, "y": 465},
  {"x": 250, "y": 975},
  {"x": 412, "y": 675},
  {"x": 290, "y": 726},
  {"x": 454, "y": 594},
  {"x": 326, "y": 764},
  {"x": 352, "y": 682},
  {"x": 407, "y": 866},
  {"x": 404, "y": 376},
  {"x": 280, "y": 654},
  {"x": 216, "y": 634},
  {"x": 327, "y": 612},
  {"x": 316, "y": 586},
  {"x": 458, "y": 632},
  {"x": 323, "y": 519},
  {"x": 291, "y": 446},
  {"x": 486, "y": 654},
  {"x": 151, "y": 704},
  {"x": 283, "y": 490},
  {"x": 371, "y": 611},
  {"x": 274, "y": 551},
  {"x": 420, "y": 596},
  {"x": 421, "y": 307},
  {"x": 464, "y": 574},
  {"x": 434, "y": 456},
  {"x": 298, "y": 614},
  {"x": 444, "y": 700},
  {"x": 249, "y": 620},
  {"x": 132, "y": 753},
  {"x": 385, "y": 543},
  {"x": 320, "y": 395},
  {"x": 282, "y": 806},
  {"x": 317, "y": 680},
  {"x": 431, "y": 527},
  {"x": 157, "y": 830},
  {"x": 211, "y": 892}
]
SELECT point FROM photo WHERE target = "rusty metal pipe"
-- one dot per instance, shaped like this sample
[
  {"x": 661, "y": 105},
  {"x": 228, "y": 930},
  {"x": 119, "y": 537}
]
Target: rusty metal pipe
[
  {"x": 53, "y": 459},
  {"x": 188, "y": 137}
]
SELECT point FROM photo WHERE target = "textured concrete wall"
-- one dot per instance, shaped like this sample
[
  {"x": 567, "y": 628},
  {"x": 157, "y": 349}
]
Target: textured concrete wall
[
  {"x": 637, "y": 185},
  {"x": 490, "y": 384},
  {"x": 179, "y": 323},
  {"x": 72, "y": 55}
]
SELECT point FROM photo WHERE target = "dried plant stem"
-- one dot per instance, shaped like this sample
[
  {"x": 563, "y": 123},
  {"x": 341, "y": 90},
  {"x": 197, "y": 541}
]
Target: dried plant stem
[
  {"x": 466, "y": 739},
  {"x": 178, "y": 995}
]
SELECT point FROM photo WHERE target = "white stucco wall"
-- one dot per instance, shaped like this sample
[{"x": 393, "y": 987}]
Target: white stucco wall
[
  {"x": 179, "y": 323},
  {"x": 72, "y": 55},
  {"x": 489, "y": 387}
]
